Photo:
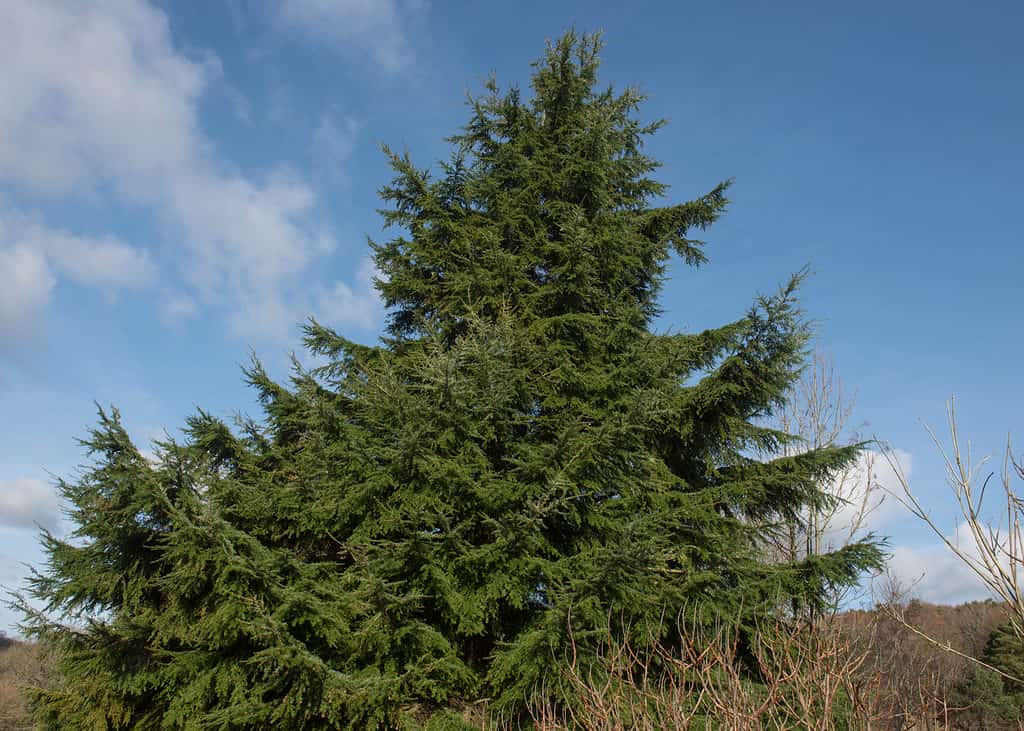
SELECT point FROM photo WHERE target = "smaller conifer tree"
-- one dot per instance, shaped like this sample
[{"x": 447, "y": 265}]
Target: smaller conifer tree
[{"x": 987, "y": 699}]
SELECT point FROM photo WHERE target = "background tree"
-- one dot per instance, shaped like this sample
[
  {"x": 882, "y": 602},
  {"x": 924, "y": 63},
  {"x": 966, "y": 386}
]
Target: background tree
[
  {"x": 817, "y": 412},
  {"x": 985, "y": 697},
  {"x": 520, "y": 461},
  {"x": 21, "y": 664}
]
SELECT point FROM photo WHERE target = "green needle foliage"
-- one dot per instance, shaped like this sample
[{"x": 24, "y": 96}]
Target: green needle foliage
[
  {"x": 984, "y": 699},
  {"x": 519, "y": 467}
]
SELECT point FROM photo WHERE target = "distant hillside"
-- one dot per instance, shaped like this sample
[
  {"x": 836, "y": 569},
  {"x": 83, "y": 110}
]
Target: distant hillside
[
  {"x": 20, "y": 663},
  {"x": 918, "y": 679}
]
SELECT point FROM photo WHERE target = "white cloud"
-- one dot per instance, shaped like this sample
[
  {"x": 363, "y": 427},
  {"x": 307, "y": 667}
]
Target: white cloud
[
  {"x": 867, "y": 489},
  {"x": 93, "y": 92},
  {"x": 930, "y": 571},
  {"x": 935, "y": 574},
  {"x": 25, "y": 285},
  {"x": 103, "y": 262},
  {"x": 25, "y": 502},
  {"x": 362, "y": 28},
  {"x": 97, "y": 98},
  {"x": 33, "y": 255}
]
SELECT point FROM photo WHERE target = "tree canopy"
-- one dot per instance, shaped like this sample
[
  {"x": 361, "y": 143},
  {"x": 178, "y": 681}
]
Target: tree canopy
[{"x": 520, "y": 465}]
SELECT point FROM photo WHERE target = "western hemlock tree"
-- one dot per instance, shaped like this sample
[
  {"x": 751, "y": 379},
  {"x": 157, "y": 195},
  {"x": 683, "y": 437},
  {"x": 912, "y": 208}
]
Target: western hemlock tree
[{"x": 520, "y": 466}]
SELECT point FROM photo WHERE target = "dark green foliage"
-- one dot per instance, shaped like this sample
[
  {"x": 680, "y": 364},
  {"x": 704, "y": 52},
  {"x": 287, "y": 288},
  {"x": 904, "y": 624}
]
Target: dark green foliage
[
  {"x": 985, "y": 699},
  {"x": 1005, "y": 651},
  {"x": 428, "y": 521},
  {"x": 449, "y": 720}
]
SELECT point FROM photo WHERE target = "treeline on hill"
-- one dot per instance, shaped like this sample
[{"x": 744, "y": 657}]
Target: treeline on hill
[
  {"x": 521, "y": 480},
  {"x": 22, "y": 664}
]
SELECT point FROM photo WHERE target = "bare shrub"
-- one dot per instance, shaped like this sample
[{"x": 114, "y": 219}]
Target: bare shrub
[
  {"x": 778, "y": 677},
  {"x": 21, "y": 664},
  {"x": 989, "y": 541},
  {"x": 817, "y": 413}
]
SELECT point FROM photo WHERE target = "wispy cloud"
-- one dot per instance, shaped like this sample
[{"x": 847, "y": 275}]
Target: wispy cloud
[
  {"x": 334, "y": 140},
  {"x": 97, "y": 98},
  {"x": 103, "y": 262},
  {"x": 34, "y": 256},
  {"x": 369, "y": 29},
  {"x": 176, "y": 307},
  {"x": 26, "y": 502},
  {"x": 357, "y": 305},
  {"x": 25, "y": 285}
]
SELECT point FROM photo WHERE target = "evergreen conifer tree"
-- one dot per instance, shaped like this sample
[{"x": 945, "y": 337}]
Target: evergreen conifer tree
[
  {"x": 984, "y": 699},
  {"x": 520, "y": 466}
]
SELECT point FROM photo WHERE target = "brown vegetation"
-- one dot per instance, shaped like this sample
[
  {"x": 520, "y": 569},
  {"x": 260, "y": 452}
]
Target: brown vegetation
[
  {"x": 856, "y": 670},
  {"x": 916, "y": 651},
  {"x": 21, "y": 664}
]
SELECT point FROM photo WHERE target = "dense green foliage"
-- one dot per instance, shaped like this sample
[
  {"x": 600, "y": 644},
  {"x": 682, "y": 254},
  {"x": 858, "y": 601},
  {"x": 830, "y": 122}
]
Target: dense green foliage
[
  {"x": 519, "y": 465},
  {"x": 984, "y": 699}
]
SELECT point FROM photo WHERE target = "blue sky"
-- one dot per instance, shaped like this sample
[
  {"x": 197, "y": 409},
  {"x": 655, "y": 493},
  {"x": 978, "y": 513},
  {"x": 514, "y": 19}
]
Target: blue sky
[{"x": 181, "y": 182}]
